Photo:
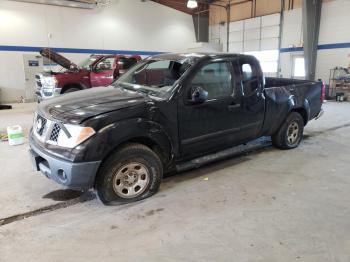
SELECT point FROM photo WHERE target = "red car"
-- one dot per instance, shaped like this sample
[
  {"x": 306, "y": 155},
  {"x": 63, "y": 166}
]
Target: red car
[{"x": 97, "y": 70}]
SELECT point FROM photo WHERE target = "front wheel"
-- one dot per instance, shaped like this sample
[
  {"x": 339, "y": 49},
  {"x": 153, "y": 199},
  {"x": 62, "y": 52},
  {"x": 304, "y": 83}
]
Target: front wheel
[
  {"x": 289, "y": 135},
  {"x": 71, "y": 89},
  {"x": 132, "y": 173}
]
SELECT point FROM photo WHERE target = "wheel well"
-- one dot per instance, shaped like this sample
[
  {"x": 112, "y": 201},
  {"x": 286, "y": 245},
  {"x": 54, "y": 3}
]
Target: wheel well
[
  {"x": 146, "y": 141},
  {"x": 66, "y": 87},
  {"x": 303, "y": 113}
]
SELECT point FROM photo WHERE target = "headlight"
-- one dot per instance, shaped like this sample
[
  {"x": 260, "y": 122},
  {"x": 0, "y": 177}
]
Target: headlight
[
  {"x": 78, "y": 135},
  {"x": 49, "y": 82}
]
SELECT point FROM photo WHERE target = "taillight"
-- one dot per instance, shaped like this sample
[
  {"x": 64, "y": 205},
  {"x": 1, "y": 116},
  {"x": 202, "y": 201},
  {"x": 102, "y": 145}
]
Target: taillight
[{"x": 323, "y": 92}]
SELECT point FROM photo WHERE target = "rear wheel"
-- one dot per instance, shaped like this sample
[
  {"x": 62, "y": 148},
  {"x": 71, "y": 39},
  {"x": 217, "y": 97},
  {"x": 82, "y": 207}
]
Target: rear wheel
[
  {"x": 133, "y": 173},
  {"x": 290, "y": 133}
]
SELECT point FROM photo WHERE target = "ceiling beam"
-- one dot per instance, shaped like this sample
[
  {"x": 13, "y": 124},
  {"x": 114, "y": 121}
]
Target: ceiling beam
[{"x": 181, "y": 5}]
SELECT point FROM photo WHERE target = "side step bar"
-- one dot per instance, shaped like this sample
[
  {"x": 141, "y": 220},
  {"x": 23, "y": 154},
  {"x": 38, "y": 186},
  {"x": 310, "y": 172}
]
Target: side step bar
[{"x": 233, "y": 151}]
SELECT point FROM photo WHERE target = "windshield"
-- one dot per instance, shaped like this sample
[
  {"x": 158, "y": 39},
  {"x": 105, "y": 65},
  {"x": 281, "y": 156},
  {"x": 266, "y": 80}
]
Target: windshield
[
  {"x": 155, "y": 76},
  {"x": 87, "y": 62}
]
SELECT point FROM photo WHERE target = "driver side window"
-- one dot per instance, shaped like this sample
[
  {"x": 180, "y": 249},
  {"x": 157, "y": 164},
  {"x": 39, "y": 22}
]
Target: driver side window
[
  {"x": 216, "y": 79},
  {"x": 105, "y": 64}
]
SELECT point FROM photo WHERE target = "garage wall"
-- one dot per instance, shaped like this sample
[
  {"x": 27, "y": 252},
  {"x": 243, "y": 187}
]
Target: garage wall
[
  {"x": 334, "y": 33},
  {"x": 334, "y": 39},
  {"x": 125, "y": 25}
]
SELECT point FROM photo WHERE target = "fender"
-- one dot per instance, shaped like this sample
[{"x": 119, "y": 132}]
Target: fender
[
  {"x": 108, "y": 138},
  {"x": 306, "y": 107},
  {"x": 280, "y": 101}
]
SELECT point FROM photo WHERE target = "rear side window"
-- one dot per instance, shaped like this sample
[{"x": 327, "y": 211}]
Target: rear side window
[
  {"x": 247, "y": 72},
  {"x": 250, "y": 77},
  {"x": 216, "y": 79}
]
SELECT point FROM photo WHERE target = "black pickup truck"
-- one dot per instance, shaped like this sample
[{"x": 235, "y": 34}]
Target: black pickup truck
[{"x": 165, "y": 112}]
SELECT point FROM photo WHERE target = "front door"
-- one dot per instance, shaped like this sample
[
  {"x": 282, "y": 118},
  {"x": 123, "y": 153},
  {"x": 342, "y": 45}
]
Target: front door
[
  {"x": 102, "y": 73},
  {"x": 214, "y": 123}
]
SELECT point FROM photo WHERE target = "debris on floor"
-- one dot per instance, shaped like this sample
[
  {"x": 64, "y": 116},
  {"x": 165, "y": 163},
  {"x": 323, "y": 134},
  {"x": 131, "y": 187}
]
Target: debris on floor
[
  {"x": 3, "y": 137},
  {"x": 15, "y": 135}
]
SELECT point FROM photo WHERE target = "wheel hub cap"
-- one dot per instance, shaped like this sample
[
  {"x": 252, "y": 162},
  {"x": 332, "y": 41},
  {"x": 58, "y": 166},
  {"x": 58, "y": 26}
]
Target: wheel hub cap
[
  {"x": 131, "y": 180},
  {"x": 293, "y": 133}
]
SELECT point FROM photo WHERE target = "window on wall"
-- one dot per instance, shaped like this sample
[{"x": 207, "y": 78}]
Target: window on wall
[
  {"x": 298, "y": 67},
  {"x": 268, "y": 60}
]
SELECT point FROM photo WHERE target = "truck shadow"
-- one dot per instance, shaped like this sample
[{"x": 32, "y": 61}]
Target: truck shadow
[
  {"x": 209, "y": 169},
  {"x": 63, "y": 194}
]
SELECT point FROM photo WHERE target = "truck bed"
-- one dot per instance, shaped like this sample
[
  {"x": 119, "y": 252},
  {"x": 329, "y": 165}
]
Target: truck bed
[{"x": 282, "y": 94}]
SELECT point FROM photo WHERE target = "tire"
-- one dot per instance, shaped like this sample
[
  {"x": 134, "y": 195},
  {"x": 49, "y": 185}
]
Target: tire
[
  {"x": 131, "y": 174},
  {"x": 290, "y": 133},
  {"x": 71, "y": 89}
]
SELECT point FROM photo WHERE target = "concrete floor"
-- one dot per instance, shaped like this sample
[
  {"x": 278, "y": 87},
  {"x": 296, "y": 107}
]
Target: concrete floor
[{"x": 269, "y": 205}]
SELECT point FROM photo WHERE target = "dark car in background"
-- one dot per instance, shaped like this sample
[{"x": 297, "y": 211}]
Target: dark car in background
[
  {"x": 167, "y": 113},
  {"x": 95, "y": 71}
]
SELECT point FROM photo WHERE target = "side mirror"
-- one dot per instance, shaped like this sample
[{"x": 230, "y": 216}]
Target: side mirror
[{"x": 198, "y": 95}]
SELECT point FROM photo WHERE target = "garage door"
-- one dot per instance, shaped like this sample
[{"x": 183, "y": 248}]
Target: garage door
[{"x": 257, "y": 36}]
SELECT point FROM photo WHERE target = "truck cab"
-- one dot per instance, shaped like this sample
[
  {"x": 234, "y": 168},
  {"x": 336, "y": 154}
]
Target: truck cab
[{"x": 95, "y": 71}]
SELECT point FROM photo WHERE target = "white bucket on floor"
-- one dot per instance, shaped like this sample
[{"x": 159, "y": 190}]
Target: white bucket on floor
[{"x": 15, "y": 135}]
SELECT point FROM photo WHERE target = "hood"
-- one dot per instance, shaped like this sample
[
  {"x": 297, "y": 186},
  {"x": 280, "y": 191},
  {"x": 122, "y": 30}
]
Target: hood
[
  {"x": 58, "y": 59},
  {"x": 78, "y": 106}
]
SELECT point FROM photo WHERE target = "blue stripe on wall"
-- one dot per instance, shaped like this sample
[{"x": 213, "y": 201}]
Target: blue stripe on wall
[
  {"x": 76, "y": 50},
  {"x": 334, "y": 46},
  {"x": 319, "y": 47},
  {"x": 146, "y": 53},
  {"x": 291, "y": 49}
]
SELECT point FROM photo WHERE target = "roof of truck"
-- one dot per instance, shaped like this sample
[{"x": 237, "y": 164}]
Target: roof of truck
[{"x": 199, "y": 55}]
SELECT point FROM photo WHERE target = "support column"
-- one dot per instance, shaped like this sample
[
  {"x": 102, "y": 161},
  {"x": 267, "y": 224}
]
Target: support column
[
  {"x": 311, "y": 12},
  {"x": 201, "y": 26},
  {"x": 228, "y": 20}
]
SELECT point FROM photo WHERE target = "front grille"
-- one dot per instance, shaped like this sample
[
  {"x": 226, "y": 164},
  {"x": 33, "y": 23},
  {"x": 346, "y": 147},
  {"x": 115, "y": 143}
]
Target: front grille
[
  {"x": 46, "y": 130},
  {"x": 40, "y": 125},
  {"x": 38, "y": 82},
  {"x": 47, "y": 93},
  {"x": 55, "y": 132}
]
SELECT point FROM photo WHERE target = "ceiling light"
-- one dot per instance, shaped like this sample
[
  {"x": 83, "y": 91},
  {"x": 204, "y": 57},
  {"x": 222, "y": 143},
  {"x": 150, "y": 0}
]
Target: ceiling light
[{"x": 192, "y": 4}]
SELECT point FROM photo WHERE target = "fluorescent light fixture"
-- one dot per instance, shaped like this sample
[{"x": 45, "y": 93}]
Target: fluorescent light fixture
[{"x": 192, "y": 4}]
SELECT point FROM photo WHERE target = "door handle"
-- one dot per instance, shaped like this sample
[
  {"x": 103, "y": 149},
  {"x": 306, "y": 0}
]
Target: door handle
[{"x": 234, "y": 105}]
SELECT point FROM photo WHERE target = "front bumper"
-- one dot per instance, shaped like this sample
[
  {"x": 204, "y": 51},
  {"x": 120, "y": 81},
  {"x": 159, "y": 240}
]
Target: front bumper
[
  {"x": 73, "y": 175},
  {"x": 44, "y": 94}
]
